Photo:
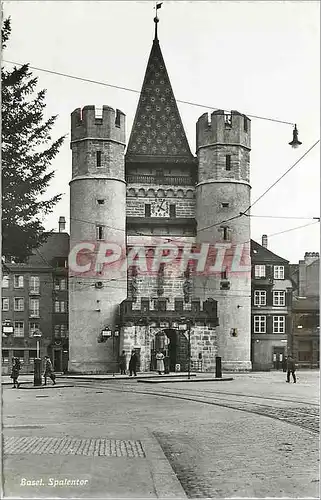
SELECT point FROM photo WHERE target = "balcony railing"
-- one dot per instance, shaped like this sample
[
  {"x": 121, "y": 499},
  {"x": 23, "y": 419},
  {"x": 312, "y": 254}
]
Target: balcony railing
[{"x": 176, "y": 180}]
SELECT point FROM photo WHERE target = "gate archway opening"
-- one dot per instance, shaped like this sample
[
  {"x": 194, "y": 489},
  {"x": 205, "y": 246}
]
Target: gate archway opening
[{"x": 174, "y": 345}]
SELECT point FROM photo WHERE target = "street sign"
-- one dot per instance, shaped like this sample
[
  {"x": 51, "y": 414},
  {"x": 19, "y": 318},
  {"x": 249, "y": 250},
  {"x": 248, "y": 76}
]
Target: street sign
[{"x": 37, "y": 333}]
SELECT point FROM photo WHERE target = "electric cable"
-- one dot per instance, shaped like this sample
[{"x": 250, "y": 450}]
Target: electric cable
[{"x": 118, "y": 87}]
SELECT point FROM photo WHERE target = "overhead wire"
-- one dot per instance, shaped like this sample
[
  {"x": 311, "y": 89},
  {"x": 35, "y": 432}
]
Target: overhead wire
[{"x": 118, "y": 87}]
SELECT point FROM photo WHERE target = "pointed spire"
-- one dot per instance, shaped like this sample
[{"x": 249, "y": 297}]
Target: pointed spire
[{"x": 157, "y": 134}]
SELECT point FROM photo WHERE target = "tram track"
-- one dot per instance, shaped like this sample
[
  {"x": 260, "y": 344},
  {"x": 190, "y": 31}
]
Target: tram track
[{"x": 306, "y": 417}]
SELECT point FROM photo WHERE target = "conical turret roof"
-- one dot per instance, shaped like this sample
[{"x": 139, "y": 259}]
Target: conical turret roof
[{"x": 157, "y": 134}]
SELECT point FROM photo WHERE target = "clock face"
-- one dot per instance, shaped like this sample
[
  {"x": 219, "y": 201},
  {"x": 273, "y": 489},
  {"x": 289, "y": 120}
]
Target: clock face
[{"x": 159, "y": 208}]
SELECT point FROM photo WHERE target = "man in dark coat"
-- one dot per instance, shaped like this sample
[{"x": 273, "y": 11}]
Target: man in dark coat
[
  {"x": 133, "y": 364},
  {"x": 290, "y": 366},
  {"x": 15, "y": 372},
  {"x": 122, "y": 363},
  {"x": 49, "y": 371}
]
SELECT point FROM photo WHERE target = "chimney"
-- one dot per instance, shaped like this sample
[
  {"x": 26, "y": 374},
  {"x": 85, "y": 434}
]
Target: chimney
[
  {"x": 264, "y": 240},
  {"x": 62, "y": 224}
]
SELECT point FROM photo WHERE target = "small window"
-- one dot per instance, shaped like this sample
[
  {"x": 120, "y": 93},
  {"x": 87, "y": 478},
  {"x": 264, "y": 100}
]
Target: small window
[
  {"x": 99, "y": 232},
  {"x": 18, "y": 329},
  {"x": 5, "y": 304},
  {"x": 228, "y": 162},
  {"x": 278, "y": 324},
  {"x": 225, "y": 205},
  {"x": 117, "y": 119},
  {"x": 178, "y": 305},
  {"x": 33, "y": 327},
  {"x": 225, "y": 233},
  {"x": 147, "y": 210},
  {"x": 278, "y": 298},
  {"x": 100, "y": 202},
  {"x": 224, "y": 275},
  {"x": 259, "y": 297},
  {"x": 279, "y": 272},
  {"x": 224, "y": 285},
  {"x": 34, "y": 284},
  {"x": 34, "y": 308},
  {"x": 259, "y": 271},
  {"x": 19, "y": 304},
  {"x": 98, "y": 159},
  {"x": 245, "y": 123},
  {"x": 259, "y": 324},
  {"x": 18, "y": 281},
  {"x": 5, "y": 282},
  {"x": 172, "y": 210}
]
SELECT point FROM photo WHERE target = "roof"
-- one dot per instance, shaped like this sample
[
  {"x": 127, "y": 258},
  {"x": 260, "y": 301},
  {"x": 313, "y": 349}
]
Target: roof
[
  {"x": 157, "y": 134},
  {"x": 306, "y": 304},
  {"x": 261, "y": 254}
]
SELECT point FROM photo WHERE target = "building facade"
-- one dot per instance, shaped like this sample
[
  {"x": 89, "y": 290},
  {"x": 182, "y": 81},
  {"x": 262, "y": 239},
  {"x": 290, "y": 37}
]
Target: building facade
[
  {"x": 35, "y": 299},
  {"x": 150, "y": 204},
  {"x": 271, "y": 307},
  {"x": 305, "y": 339}
]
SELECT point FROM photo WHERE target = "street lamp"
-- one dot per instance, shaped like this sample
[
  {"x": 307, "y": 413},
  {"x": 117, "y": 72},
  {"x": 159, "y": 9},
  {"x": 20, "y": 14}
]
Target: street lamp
[
  {"x": 37, "y": 361},
  {"x": 188, "y": 328}
]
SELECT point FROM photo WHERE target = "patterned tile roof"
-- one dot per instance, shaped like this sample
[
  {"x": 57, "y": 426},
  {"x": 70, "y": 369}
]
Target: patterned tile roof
[{"x": 157, "y": 133}]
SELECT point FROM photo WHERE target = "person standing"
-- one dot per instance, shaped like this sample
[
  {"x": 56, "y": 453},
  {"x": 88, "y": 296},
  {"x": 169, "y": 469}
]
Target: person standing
[
  {"x": 16, "y": 367},
  {"x": 290, "y": 365},
  {"x": 49, "y": 371},
  {"x": 284, "y": 363},
  {"x": 122, "y": 363},
  {"x": 133, "y": 364},
  {"x": 160, "y": 362}
]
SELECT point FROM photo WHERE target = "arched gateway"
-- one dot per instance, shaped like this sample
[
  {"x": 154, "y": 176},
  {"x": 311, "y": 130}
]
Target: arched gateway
[{"x": 150, "y": 329}]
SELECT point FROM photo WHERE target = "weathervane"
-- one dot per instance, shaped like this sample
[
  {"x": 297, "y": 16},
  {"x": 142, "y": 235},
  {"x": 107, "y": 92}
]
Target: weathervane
[{"x": 156, "y": 20}]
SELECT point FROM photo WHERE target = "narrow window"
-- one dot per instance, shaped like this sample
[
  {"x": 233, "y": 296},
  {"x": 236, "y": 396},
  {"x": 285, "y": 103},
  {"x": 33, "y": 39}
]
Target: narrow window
[
  {"x": 99, "y": 232},
  {"x": 245, "y": 124},
  {"x": 172, "y": 210},
  {"x": 147, "y": 210},
  {"x": 226, "y": 233},
  {"x": 228, "y": 162},
  {"x": 5, "y": 282},
  {"x": 117, "y": 119},
  {"x": 98, "y": 159}
]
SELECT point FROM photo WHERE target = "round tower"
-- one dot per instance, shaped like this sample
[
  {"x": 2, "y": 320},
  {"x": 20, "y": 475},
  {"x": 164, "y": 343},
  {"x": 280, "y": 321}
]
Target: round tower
[
  {"x": 223, "y": 191},
  {"x": 97, "y": 224}
]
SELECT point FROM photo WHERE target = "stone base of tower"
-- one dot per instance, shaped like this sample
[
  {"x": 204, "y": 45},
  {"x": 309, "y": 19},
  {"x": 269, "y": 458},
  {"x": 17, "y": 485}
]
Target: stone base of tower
[
  {"x": 236, "y": 366},
  {"x": 92, "y": 368}
]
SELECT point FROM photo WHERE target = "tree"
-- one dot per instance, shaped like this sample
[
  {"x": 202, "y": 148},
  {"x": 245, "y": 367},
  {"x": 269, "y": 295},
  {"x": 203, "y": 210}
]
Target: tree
[{"x": 27, "y": 152}]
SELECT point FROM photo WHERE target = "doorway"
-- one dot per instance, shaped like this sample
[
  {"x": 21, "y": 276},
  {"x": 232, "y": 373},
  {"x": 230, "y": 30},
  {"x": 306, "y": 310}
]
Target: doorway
[
  {"x": 278, "y": 357},
  {"x": 174, "y": 345},
  {"x": 57, "y": 360}
]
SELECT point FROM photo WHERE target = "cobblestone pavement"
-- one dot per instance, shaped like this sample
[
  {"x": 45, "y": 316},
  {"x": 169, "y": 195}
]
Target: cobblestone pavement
[
  {"x": 216, "y": 449},
  {"x": 70, "y": 446}
]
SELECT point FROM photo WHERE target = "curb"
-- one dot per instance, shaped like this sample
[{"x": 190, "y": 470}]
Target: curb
[
  {"x": 165, "y": 481},
  {"x": 126, "y": 377},
  {"x": 51, "y": 386},
  {"x": 185, "y": 380}
]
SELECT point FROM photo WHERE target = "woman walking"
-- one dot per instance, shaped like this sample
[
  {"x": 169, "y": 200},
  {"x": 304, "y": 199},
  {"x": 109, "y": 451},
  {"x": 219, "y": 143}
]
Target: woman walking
[
  {"x": 15, "y": 372},
  {"x": 160, "y": 362}
]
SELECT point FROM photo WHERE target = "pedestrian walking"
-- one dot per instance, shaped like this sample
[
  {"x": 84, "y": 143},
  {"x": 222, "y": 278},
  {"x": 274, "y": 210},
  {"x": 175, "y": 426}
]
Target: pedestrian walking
[
  {"x": 49, "y": 371},
  {"x": 290, "y": 366},
  {"x": 122, "y": 363},
  {"x": 284, "y": 363},
  {"x": 16, "y": 367},
  {"x": 133, "y": 364},
  {"x": 160, "y": 362}
]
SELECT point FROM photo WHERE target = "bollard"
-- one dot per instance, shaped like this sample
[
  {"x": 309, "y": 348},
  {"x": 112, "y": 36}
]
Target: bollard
[
  {"x": 218, "y": 367},
  {"x": 37, "y": 372}
]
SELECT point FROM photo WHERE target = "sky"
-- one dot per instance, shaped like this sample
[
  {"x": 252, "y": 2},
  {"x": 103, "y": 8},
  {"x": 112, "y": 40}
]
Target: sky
[{"x": 260, "y": 58}]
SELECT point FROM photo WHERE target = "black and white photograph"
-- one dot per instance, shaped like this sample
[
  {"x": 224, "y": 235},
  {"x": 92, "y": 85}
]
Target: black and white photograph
[{"x": 160, "y": 249}]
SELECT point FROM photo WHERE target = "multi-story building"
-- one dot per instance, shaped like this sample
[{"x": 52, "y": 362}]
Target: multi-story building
[
  {"x": 159, "y": 193},
  {"x": 271, "y": 307},
  {"x": 35, "y": 299},
  {"x": 305, "y": 339}
]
